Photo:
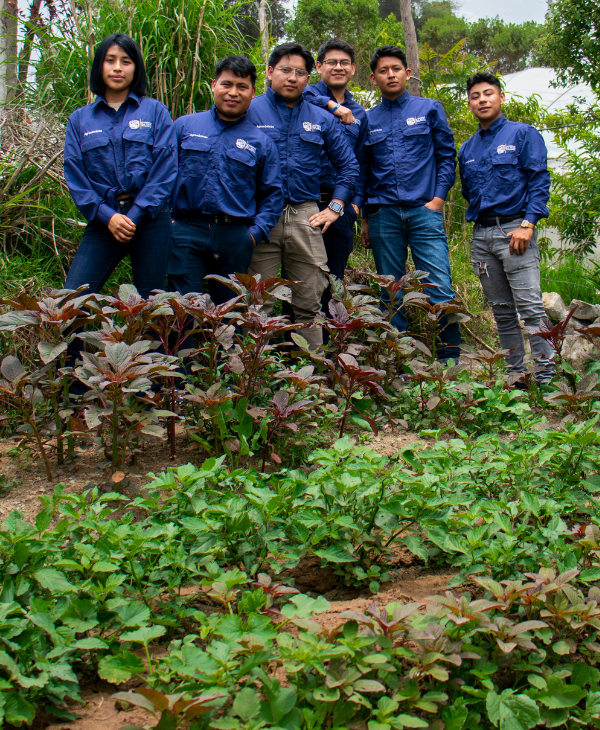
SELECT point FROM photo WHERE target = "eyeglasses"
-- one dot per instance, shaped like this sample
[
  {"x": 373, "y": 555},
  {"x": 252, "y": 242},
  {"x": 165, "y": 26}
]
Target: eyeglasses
[
  {"x": 289, "y": 71},
  {"x": 333, "y": 62}
]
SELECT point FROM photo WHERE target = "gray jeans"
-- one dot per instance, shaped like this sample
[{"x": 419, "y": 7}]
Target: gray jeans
[{"x": 511, "y": 284}]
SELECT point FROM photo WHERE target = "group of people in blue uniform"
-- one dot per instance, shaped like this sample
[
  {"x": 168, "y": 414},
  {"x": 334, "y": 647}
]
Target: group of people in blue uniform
[{"x": 274, "y": 184}]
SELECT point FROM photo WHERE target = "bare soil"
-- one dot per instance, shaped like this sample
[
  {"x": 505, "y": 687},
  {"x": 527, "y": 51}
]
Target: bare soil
[{"x": 411, "y": 580}]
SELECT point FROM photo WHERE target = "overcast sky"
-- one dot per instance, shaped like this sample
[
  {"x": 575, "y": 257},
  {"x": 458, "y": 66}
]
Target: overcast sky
[{"x": 512, "y": 11}]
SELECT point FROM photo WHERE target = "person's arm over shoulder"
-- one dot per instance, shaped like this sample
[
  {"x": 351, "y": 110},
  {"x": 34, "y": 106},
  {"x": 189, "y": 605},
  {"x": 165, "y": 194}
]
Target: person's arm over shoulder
[
  {"x": 161, "y": 178},
  {"x": 533, "y": 157},
  {"x": 444, "y": 151},
  {"x": 344, "y": 162},
  {"x": 311, "y": 94},
  {"x": 461, "y": 168},
  {"x": 269, "y": 192},
  {"x": 80, "y": 186}
]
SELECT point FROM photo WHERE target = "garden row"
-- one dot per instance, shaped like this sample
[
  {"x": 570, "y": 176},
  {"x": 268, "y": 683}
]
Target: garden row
[
  {"x": 227, "y": 371},
  {"x": 194, "y": 560}
]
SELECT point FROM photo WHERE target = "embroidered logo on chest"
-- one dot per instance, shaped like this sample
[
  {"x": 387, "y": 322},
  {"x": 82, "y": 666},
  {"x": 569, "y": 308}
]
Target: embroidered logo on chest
[
  {"x": 415, "y": 120},
  {"x": 243, "y": 145},
  {"x": 311, "y": 127},
  {"x": 137, "y": 124},
  {"x": 502, "y": 148}
]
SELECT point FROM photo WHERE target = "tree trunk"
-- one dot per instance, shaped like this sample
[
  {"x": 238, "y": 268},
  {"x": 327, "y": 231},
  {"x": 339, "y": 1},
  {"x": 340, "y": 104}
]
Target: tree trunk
[
  {"x": 25, "y": 55},
  {"x": 263, "y": 27},
  {"x": 9, "y": 23},
  {"x": 412, "y": 48}
]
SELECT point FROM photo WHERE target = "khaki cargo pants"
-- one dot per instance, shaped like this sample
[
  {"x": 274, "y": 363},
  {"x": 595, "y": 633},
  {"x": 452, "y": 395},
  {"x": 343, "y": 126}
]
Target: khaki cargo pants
[{"x": 298, "y": 249}]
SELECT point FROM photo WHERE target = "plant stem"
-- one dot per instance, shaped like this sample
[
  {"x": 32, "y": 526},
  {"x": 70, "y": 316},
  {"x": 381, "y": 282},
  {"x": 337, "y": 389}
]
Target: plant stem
[{"x": 115, "y": 435}]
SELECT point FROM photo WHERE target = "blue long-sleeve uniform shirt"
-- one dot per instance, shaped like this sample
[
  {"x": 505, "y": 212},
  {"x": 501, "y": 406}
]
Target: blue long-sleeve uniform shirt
[
  {"x": 320, "y": 94},
  {"x": 410, "y": 150},
  {"x": 300, "y": 136},
  {"x": 109, "y": 153},
  {"x": 230, "y": 168},
  {"x": 504, "y": 171}
]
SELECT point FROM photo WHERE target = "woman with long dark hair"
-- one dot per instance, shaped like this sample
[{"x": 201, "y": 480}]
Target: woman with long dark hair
[{"x": 120, "y": 166}]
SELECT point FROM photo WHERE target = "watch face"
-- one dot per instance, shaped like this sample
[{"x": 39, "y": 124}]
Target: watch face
[{"x": 336, "y": 207}]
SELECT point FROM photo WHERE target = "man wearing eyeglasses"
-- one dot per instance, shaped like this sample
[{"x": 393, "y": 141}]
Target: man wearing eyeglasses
[
  {"x": 335, "y": 63},
  {"x": 301, "y": 131}
]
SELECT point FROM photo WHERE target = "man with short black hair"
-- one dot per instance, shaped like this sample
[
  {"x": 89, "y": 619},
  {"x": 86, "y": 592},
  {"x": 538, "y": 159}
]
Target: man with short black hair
[
  {"x": 505, "y": 180},
  {"x": 335, "y": 63},
  {"x": 301, "y": 131},
  {"x": 228, "y": 194},
  {"x": 411, "y": 155}
]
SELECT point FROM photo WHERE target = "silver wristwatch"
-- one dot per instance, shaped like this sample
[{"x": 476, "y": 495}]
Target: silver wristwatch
[{"x": 336, "y": 207}]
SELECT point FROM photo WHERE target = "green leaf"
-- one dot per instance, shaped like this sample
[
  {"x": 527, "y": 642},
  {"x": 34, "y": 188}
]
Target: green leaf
[
  {"x": 80, "y": 615},
  {"x": 103, "y": 566},
  {"x": 42, "y": 520},
  {"x": 509, "y": 711},
  {"x": 589, "y": 575},
  {"x": 119, "y": 668},
  {"x": 134, "y": 614},
  {"x": 409, "y": 721},
  {"x": 48, "y": 352},
  {"x": 561, "y": 647},
  {"x": 53, "y": 580},
  {"x": 561, "y": 695},
  {"x": 18, "y": 711},
  {"x": 90, "y": 643},
  {"x": 304, "y": 606},
  {"x": 246, "y": 704},
  {"x": 336, "y": 554},
  {"x": 144, "y": 635}
]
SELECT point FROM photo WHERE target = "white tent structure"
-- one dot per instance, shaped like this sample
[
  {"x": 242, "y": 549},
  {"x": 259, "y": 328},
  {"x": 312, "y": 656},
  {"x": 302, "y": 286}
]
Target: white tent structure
[{"x": 539, "y": 81}]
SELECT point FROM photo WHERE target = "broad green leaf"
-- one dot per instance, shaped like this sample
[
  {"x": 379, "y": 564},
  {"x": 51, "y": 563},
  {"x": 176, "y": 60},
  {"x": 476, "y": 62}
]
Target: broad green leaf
[
  {"x": 103, "y": 566},
  {"x": 80, "y": 615},
  {"x": 246, "y": 704},
  {"x": 90, "y": 642},
  {"x": 133, "y": 614},
  {"x": 18, "y": 710},
  {"x": 409, "y": 721},
  {"x": 53, "y": 580},
  {"x": 509, "y": 711},
  {"x": 304, "y": 606},
  {"x": 336, "y": 554},
  {"x": 144, "y": 635},
  {"x": 48, "y": 352},
  {"x": 560, "y": 695},
  {"x": 119, "y": 668},
  {"x": 561, "y": 647}
]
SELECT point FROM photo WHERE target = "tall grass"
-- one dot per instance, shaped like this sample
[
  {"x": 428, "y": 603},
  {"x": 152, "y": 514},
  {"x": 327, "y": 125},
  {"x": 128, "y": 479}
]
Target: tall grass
[
  {"x": 572, "y": 278},
  {"x": 181, "y": 41}
]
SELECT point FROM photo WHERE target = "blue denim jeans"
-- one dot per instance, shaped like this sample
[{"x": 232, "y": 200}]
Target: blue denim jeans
[
  {"x": 99, "y": 253},
  {"x": 511, "y": 284},
  {"x": 201, "y": 248},
  {"x": 392, "y": 229}
]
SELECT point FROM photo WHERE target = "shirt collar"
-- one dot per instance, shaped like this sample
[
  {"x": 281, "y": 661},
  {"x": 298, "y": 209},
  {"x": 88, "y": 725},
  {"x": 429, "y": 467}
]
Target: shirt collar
[
  {"x": 277, "y": 99},
  {"x": 131, "y": 95},
  {"x": 400, "y": 101},
  {"x": 493, "y": 128},
  {"x": 326, "y": 91},
  {"x": 219, "y": 121}
]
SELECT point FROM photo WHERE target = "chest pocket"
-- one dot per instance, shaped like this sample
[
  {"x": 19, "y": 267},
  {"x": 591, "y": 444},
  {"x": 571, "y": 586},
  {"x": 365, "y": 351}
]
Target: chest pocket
[
  {"x": 418, "y": 139},
  {"x": 310, "y": 148},
  {"x": 271, "y": 132},
  {"x": 138, "y": 148},
  {"x": 96, "y": 153},
  {"x": 194, "y": 156},
  {"x": 377, "y": 143},
  {"x": 351, "y": 131},
  {"x": 242, "y": 165},
  {"x": 505, "y": 169}
]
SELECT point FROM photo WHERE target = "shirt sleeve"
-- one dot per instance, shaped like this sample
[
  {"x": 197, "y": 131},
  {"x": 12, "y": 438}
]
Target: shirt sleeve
[
  {"x": 534, "y": 163},
  {"x": 463, "y": 180},
  {"x": 344, "y": 163},
  {"x": 163, "y": 173},
  {"x": 361, "y": 157},
  {"x": 84, "y": 195},
  {"x": 316, "y": 99},
  {"x": 444, "y": 151},
  {"x": 269, "y": 194}
]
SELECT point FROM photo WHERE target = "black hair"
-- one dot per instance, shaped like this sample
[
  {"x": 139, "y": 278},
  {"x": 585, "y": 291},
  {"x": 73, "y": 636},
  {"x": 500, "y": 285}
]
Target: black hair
[
  {"x": 131, "y": 48},
  {"x": 241, "y": 66},
  {"x": 384, "y": 51},
  {"x": 292, "y": 49},
  {"x": 335, "y": 44},
  {"x": 483, "y": 77}
]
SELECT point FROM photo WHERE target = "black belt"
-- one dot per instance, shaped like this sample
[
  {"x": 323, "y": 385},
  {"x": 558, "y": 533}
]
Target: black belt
[
  {"x": 326, "y": 196},
  {"x": 219, "y": 218},
  {"x": 498, "y": 220}
]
